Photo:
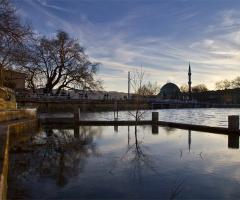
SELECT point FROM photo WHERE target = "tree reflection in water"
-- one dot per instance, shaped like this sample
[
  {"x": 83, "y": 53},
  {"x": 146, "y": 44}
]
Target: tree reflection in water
[
  {"x": 64, "y": 156},
  {"x": 137, "y": 157},
  {"x": 54, "y": 155},
  {"x": 139, "y": 161},
  {"x": 57, "y": 155}
]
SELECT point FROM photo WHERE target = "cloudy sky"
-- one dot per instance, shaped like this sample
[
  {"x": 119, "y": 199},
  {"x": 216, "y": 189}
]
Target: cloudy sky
[{"x": 161, "y": 35}]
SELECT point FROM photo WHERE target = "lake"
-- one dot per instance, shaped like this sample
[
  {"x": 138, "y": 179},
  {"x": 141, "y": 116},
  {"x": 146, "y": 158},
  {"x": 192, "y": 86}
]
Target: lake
[
  {"x": 217, "y": 117},
  {"x": 121, "y": 162}
]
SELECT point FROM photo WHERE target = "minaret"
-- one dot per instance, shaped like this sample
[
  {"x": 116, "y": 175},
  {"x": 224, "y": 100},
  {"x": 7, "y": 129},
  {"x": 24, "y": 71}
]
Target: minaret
[{"x": 189, "y": 82}]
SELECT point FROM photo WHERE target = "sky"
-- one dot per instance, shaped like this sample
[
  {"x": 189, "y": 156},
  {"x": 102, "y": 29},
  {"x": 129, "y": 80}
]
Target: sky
[{"x": 161, "y": 36}]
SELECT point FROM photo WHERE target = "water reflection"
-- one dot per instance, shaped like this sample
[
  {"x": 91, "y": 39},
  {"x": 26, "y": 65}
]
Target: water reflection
[
  {"x": 116, "y": 128},
  {"x": 154, "y": 129},
  {"x": 189, "y": 140},
  {"x": 63, "y": 156},
  {"x": 136, "y": 159},
  {"x": 233, "y": 141},
  {"x": 89, "y": 162},
  {"x": 54, "y": 155}
]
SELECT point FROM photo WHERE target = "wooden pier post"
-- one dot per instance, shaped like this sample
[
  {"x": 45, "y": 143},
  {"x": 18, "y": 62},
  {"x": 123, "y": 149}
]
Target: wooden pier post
[
  {"x": 233, "y": 122},
  {"x": 154, "y": 116},
  {"x": 77, "y": 114}
]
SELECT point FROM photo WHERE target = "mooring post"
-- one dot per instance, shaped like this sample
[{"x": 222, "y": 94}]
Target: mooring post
[
  {"x": 77, "y": 114},
  {"x": 233, "y": 122},
  {"x": 154, "y": 116},
  {"x": 154, "y": 129}
]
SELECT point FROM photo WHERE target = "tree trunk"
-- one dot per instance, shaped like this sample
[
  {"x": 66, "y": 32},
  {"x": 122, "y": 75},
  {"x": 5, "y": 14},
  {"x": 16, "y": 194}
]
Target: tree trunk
[{"x": 1, "y": 76}]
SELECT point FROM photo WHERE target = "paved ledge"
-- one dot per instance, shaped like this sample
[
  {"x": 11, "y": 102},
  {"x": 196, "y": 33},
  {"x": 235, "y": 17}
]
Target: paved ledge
[
  {"x": 7, "y": 128},
  {"x": 71, "y": 121},
  {"x": 201, "y": 128}
]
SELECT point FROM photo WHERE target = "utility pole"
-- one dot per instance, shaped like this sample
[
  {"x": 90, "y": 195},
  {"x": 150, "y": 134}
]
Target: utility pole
[{"x": 129, "y": 85}]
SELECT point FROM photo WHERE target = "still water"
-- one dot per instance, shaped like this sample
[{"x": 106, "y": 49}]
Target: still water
[
  {"x": 217, "y": 117},
  {"x": 121, "y": 162}
]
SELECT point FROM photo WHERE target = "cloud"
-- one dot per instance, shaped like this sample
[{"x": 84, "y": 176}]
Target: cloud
[
  {"x": 45, "y": 4},
  {"x": 227, "y": 21},
  {"x": 206, "y": 44},
  {"x": 230, "y": 18},
  {"x": 165, "y": 47}
]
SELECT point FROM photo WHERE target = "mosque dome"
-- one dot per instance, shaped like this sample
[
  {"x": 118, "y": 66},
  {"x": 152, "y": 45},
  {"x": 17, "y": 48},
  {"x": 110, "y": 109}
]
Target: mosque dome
[{"x": 169, "y": 91}]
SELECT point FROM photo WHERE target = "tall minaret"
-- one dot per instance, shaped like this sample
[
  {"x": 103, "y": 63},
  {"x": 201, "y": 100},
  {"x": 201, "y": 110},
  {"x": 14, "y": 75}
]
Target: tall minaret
[{"x": 189, "y": 82}]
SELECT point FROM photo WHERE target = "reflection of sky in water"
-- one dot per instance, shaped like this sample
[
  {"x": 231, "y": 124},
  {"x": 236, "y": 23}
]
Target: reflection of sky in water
[
  {"x": 201, "y": 116},
  {"x": 210, "y": 168}
]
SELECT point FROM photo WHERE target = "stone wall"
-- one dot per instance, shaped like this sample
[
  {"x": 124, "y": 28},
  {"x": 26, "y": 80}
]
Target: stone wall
[{"x": 84, "y": 105}]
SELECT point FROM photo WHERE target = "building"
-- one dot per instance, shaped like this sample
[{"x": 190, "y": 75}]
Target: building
[
  {"x": 13, "y": 79},
  {"x": 169, "y": 91},
  {"x": 228, "y": 96}
]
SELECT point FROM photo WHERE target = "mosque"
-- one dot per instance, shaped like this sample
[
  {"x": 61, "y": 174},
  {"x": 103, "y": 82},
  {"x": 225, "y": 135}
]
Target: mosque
[{"x": 172, "y": 91}]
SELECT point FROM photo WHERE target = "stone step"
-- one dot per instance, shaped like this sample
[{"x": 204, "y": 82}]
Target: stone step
[{"x": 11, "y": 115}]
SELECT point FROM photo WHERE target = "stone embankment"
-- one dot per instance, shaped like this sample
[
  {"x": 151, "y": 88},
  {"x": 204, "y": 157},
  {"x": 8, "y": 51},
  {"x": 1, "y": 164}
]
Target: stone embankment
[
  {"x": 12, "y": 122},
  {"x": 68, "y": 105}
]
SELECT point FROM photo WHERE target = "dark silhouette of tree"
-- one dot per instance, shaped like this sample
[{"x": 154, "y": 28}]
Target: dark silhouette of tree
[
  {"x": 236, "y": 82},
  {"x": 150, "y": 89},
  {"x": 227, "y": 84},
  {"x": 184, "y": 88},
  {"x": 223, "y": 85},
  {"x": 60, "y": 62},
  {"x": 199, "y": 88},
  {"x": 14, "y": 31}
]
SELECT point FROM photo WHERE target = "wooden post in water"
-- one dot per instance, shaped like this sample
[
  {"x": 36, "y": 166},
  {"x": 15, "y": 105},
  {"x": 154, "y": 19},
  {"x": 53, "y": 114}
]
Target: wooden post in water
[
  {"x": 154, "y": 119},
  {"x": 154, "y": 116},
  {"x": 77, "y": 114},
  {"x": 233, "y": 122}
]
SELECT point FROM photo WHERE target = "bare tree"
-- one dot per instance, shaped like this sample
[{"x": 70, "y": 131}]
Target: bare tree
[
  {"x": 143, "y": 92},
  {"x": 61, "y": 62},
  {"x": 14, "y": 31},
  {"x": 151, "y": 89},
  {"x": 139, "y": 80},
  {"x": 184, "y": 88},
  {"x": 236, "y": 82},
  {"x": 223, "y": 85},
  {"x": 199, "y": 88}
]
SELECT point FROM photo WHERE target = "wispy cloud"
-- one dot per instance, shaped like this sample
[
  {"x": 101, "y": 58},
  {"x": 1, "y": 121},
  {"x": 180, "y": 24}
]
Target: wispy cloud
[
  {"x": 46, "y": 4},
  {"x": 161, "y": 36},
  {"x": 226, "y": 20}
]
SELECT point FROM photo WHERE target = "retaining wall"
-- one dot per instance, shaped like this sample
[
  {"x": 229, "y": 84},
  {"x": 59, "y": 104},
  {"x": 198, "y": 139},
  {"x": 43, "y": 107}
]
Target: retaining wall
[
  {"x": 6, "y": 129},
  {"x": 69, "y": 105}
]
